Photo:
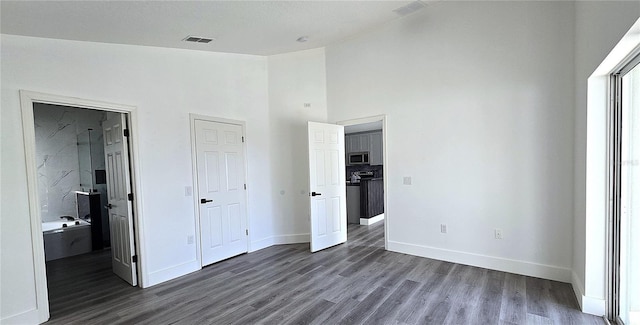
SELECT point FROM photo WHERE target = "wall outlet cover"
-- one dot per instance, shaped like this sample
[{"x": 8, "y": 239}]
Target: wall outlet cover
[{"x": 498, "y": 233}]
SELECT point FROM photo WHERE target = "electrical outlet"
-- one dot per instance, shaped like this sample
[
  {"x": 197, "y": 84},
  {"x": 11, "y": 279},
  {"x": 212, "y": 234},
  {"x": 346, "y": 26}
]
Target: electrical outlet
[
  {"x": 406, "y": 180},
  {"x": 190, "y": 240},
  {"x": 188, "y": 191},
  {"x": 498, "y": 233},
  {"x": 443, "y": 228}
]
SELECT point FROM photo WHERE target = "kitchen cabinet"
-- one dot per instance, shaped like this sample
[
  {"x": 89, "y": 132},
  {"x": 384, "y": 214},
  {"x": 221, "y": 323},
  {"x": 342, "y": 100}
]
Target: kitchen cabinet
[
  {"x": 370, "y": 142},
  {"x": 371, "y": 197},
  {"x": 90, "y": 209},
  {"x": 357, "y": 142},
  {"x": 365, "y": 199},
  {"x": 375, "y": 151},
  {"x": 348, "y": 146},
  {"x": 353, "y": 204}
]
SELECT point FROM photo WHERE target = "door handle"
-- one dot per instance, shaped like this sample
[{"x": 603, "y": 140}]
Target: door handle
[
  {"x": 108, "y": 206},
  {"x": 315, "y": 193},
  {"x": 204, "y": 201}
]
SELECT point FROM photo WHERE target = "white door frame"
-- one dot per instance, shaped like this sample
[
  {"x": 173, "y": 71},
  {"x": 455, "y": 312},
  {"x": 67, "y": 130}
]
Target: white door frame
[
  {"x": 27, "y": 99},
  {"x": 385, "y": 181},
  {"x": 194, "y": 191}
]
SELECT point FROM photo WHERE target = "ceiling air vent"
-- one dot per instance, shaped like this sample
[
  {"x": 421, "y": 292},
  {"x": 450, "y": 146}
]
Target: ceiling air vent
[
  {"x": 197, "y": 39},
  {"x": 410, "y": 8}
]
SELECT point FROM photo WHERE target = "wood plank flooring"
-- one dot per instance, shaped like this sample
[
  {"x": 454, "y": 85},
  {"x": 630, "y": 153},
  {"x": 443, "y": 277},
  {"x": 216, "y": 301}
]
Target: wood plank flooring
[{"x": 354, "y": 283}]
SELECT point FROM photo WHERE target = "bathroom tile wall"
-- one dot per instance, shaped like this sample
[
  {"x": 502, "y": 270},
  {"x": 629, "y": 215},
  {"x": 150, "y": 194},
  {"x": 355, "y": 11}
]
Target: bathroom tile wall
[{"x": 57, "y": 160}]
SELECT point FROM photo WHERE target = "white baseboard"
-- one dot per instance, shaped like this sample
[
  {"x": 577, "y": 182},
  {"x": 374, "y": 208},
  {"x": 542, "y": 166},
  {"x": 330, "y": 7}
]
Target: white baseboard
[
  {"x": 593, "y": 306},
  {"x": 578, "y": 289},
  {"x": 172, "y": 272},
  {"x": 589, "y": 305},
  {"x": 192, "y": 266},
  {"x": 489, "y": 262},
  {"x": 278, "y": 240},
  {"x": 291, "y": 239},
  {"x": 260, "y": 244},
  {"x": 372, "y": 220},
  {"x": 28, "y": 317}
]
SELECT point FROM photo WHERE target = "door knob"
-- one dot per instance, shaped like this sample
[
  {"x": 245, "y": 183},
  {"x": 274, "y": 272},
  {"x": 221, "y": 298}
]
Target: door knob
[
  {"x": 108, "y": 206},
  {"x": 315, "y": 193},
  {"x": 204, "y": 201}
]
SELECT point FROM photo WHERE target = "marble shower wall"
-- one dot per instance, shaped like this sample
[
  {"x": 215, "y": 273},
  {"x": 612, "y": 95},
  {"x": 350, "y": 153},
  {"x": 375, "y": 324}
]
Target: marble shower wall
[
  {"x": 90, "y": 148},
  {"x": 56, "y": 131}
]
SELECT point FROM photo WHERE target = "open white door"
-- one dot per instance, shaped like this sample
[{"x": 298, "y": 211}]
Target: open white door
[
  {"x": 327, "y": 192},
  {"x": 221, "y": 179},
  {"x": 116, "y": 153}
]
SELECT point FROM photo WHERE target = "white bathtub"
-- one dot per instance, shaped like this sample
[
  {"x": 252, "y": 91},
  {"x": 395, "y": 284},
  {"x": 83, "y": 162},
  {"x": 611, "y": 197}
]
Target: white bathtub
[{"x": 66, "y": 238}]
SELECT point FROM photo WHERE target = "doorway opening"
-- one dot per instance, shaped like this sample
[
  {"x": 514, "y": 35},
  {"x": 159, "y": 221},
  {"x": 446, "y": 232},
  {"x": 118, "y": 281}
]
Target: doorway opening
[
  {"x": 80, "y": 180},
  {"x": 365, "y": 174}
]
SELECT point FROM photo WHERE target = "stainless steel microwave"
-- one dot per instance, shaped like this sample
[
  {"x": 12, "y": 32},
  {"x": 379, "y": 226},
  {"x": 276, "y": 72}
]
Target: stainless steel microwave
[{"x": 358, "y": 158}]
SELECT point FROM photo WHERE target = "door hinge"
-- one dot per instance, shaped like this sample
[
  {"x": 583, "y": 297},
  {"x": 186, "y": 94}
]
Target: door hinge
[
  {"x": 245, "y": 186},
  {"x": 130, "y": 196},
  {"x": 247, "y": 231},
  {"x": 242, "y": 139},
  {"x": 134, "y": 259},
  {"x": 126, "y": 132}
]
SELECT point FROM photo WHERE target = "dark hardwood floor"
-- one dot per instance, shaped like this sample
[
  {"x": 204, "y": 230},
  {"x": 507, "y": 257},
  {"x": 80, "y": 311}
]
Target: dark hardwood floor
[{"x": 354, "y": 283}]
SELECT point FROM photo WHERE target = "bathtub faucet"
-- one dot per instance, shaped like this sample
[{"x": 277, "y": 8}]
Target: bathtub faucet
[{"x": 69, "y": 218}]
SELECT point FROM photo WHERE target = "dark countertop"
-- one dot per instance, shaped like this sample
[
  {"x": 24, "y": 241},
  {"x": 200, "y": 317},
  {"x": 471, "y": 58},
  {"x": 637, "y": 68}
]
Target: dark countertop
[{"x": 365, "y": 180}]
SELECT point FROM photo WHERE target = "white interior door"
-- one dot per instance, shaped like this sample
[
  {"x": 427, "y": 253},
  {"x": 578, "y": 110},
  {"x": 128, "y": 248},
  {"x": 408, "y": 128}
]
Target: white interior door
[
  {"x": 116, "y": 154},
  {"x": 327, "y": 185},
  {"x": 221, "y": 179}
]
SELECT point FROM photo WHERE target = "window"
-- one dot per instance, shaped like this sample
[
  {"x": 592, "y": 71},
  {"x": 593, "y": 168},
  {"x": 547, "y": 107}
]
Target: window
[{"x": 625, "y": 187}]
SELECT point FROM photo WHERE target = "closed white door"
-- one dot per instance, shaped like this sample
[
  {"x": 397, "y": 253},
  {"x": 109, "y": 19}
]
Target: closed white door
[
  {"x": 116, "y": 155},
  {"x": 327, "y": 193},
  {"x": 221, "y": 197}
]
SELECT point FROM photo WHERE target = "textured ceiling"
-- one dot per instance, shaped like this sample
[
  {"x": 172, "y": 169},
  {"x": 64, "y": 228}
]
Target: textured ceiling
[{"x": 248, "y": 27}]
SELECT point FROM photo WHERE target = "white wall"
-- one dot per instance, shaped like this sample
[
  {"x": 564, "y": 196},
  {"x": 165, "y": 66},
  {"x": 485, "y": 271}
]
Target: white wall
[
  {"x": 294, "y": 79},
  {"x": 480, "y": 108},
  {"x": 165, "y": 85},
  {"x": 599, "y": 27}
]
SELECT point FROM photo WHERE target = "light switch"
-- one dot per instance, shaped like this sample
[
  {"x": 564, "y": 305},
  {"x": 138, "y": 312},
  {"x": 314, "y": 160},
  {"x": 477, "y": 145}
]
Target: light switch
[
  {"x": 406, "y": 180},
  {"x": 188, "y": 191}
]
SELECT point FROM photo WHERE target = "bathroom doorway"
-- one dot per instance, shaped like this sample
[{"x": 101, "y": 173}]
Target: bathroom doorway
[
  {"x": 81, "y": 195},
  {"x": 72, "y": 185}
]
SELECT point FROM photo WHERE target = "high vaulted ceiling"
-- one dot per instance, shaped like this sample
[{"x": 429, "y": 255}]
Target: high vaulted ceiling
[{"x": 248, "y": 27}]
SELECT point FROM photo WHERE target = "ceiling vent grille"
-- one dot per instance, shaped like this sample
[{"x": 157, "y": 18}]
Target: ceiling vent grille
[
  {"x": 197, "y": 39},
  {"x": 410, "y": 8}
]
